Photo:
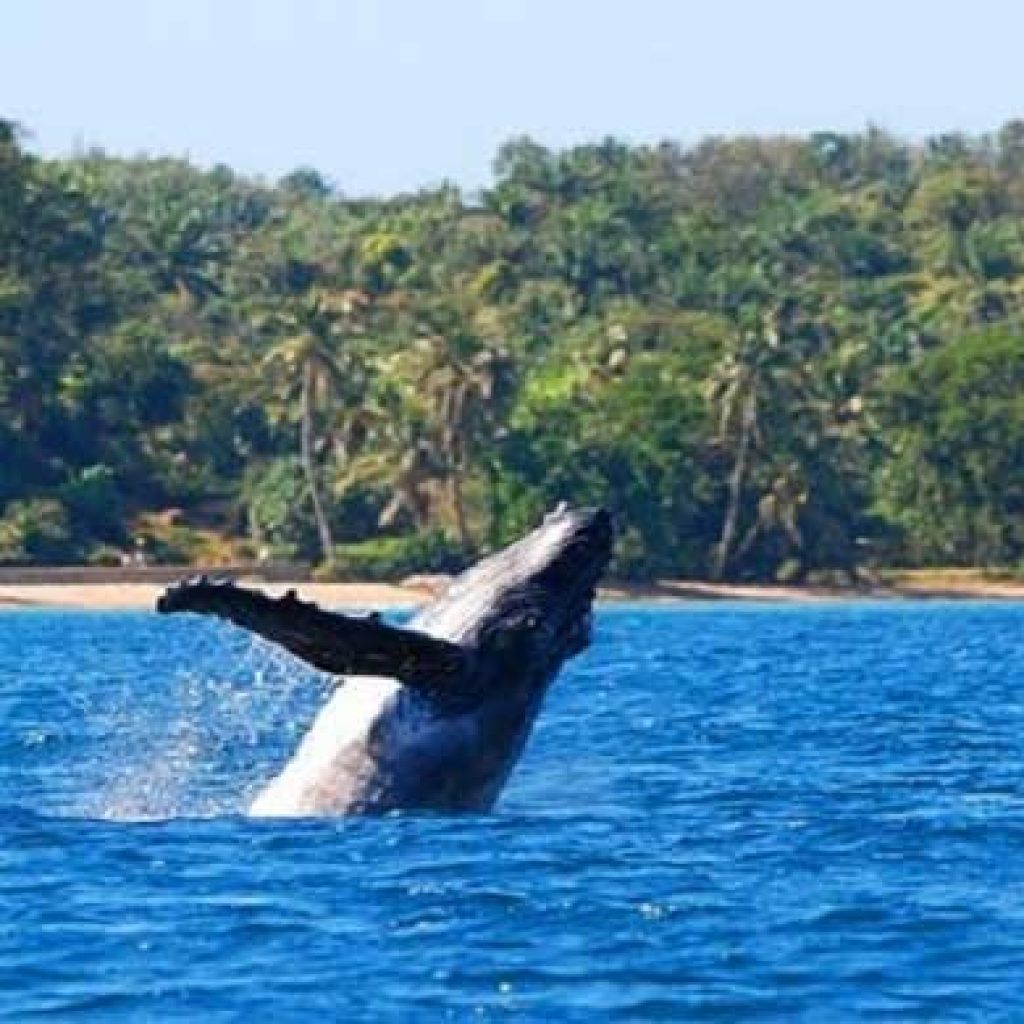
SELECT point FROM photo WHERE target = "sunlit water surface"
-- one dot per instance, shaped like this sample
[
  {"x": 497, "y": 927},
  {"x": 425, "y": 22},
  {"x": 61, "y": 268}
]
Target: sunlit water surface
[{"x": 726, "y": 812}]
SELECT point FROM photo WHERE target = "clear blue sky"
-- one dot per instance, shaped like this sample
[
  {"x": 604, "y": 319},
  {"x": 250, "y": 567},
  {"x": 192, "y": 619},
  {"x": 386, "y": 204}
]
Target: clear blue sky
[{"x": 382, "y": 95}]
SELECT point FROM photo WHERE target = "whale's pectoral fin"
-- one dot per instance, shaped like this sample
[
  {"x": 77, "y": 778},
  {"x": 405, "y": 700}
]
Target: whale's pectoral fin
[{"x": 339, "y": 644}]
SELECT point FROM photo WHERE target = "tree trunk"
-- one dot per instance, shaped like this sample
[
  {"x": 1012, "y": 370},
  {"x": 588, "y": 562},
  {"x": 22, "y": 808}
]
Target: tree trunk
[
  {"x": 459, "y": 508},
  {"x": 496, "y": 507},
  {"x": 731, "y": 522},
  {"x": 323, "y": 527}
]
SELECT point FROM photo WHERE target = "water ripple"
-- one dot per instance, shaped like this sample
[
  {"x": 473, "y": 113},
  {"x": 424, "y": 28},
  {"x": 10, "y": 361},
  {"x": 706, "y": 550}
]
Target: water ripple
[{"x": 726, "y": 813}]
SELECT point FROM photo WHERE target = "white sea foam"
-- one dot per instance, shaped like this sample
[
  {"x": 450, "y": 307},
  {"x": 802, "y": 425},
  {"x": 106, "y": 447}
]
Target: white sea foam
[{"x": 201, "y": 751}]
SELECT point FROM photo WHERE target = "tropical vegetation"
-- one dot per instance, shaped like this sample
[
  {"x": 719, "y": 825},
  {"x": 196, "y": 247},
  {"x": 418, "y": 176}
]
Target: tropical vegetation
[{"x": 774, "y": 358}]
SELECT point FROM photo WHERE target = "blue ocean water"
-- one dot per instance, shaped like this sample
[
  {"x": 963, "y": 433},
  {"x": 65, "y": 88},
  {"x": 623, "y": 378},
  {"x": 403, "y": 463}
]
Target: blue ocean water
[{"x": 726, "y": 813}]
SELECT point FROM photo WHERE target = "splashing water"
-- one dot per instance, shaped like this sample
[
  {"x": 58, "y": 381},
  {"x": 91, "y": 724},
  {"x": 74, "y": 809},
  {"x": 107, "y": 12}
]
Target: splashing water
[{"x": 209, "y": 725}]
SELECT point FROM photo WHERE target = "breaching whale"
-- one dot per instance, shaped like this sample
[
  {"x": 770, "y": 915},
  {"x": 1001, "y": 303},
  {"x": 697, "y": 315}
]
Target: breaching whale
[{"x": 432, "y": 715}]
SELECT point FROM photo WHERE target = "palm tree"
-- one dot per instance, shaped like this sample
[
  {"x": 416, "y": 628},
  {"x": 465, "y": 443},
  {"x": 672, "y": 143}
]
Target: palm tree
[
  {"x": 759, "y": 387},
  {"x": 736, "y": 390},
  {"x": 411, "y": 485},
  {"x": 306, "y": 355},
  {"x": 466, "y": 385},
  {"x": 180, "y": 249}
]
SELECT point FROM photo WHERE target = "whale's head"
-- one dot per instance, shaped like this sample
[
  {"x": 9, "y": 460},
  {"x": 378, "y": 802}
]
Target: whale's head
[{"x": 527, "y": 608}]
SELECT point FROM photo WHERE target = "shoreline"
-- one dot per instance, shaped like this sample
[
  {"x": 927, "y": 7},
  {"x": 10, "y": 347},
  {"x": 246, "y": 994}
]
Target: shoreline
[{"x": 136, "y": 596}]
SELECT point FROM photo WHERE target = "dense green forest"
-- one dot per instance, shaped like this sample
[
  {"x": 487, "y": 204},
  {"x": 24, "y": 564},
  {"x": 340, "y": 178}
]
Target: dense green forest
[{"x": 774, "y": 358}]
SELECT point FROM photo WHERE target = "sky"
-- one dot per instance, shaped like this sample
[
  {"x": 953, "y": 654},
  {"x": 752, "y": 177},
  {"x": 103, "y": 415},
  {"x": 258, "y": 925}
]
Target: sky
[{"x": 390, "y": 95}]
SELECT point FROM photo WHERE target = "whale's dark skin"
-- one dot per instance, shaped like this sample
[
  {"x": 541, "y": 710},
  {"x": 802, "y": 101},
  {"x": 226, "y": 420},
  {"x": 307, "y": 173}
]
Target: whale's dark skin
[{"x": 434, "y": 715}]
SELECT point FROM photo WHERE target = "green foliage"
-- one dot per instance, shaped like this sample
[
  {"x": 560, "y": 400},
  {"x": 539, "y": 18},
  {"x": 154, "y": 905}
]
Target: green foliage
[
  {"x": 94, "y": 504},
  {"x": 393, "y": 558},
  {"x": 955, "y": 480},
  {"x": 35, "y": 530},
  {"x": 775, "y": 358},
  {"x": 280, "y": 515}
]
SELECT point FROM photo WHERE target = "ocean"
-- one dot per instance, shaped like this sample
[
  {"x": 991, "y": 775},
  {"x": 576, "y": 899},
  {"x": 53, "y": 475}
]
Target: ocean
[{"x": 726, "y": 812}]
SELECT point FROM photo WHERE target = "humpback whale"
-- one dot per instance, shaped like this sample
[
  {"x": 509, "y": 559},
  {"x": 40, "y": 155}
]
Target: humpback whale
[{"x": 432, "y": 715}]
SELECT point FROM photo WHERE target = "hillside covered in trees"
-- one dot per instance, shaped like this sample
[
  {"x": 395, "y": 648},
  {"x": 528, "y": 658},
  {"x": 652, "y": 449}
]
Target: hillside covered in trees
[{"x": 773, "y": 357}]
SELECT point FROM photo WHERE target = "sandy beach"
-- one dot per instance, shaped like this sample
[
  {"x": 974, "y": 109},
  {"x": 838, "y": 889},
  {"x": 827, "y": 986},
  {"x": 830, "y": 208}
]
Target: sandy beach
[
  {"x": 139, "y": 596},
  {"x": 143, "y": 595}
]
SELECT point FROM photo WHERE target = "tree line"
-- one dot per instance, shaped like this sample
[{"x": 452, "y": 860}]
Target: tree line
[{"x": 775, "y": 358}]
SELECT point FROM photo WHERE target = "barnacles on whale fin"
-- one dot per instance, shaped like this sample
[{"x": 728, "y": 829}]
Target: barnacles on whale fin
[
  {"x": 332, "y": 642},
  {"x": 189, "y": 595}
]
